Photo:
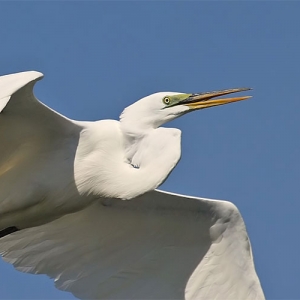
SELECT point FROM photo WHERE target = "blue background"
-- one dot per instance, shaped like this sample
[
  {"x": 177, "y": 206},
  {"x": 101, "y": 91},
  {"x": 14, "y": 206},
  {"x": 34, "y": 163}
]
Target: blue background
[{"x": 99, "y": 57}]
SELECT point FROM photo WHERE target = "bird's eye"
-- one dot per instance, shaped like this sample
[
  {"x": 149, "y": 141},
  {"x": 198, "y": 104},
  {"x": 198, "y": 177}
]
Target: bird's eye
[{"x": 166, "y": 100}]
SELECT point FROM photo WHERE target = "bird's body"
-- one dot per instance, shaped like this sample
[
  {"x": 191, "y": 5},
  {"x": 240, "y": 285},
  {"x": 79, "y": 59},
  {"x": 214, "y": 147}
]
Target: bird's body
[{"x": 62, "y": 185}]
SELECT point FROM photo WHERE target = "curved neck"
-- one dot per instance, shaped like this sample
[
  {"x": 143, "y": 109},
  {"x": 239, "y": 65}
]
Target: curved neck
[
  {"x": 129, "y": 164},
  {"x": 151, "y": 158}
]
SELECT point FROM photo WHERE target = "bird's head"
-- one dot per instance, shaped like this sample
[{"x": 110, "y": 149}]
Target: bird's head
[{"x": 153, "y": 111}]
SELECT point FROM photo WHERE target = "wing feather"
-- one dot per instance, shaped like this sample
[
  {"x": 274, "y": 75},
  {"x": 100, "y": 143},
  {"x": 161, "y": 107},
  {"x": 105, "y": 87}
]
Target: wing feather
[
  {"x": 157, "y": 246},
  {"x": 36, "y": 144}
]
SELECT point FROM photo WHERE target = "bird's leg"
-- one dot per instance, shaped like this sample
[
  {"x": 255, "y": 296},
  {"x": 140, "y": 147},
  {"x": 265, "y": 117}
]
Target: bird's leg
[{"x": 7, "y": 231}]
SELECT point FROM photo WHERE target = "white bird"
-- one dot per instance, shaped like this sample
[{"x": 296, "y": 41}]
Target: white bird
[{"x": 62, "y": 186}]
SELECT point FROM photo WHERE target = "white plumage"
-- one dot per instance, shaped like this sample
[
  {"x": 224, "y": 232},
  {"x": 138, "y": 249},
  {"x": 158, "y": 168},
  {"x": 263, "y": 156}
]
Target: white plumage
[{"x": 62, "y": 183}]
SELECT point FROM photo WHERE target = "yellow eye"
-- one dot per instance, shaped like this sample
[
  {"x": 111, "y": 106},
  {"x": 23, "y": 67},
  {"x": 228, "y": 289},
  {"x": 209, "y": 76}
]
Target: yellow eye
[{"x": 166, "y": 100}]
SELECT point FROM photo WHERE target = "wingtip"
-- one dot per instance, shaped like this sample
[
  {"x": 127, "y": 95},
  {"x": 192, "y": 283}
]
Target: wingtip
[
  {"x": 28, "y": 75},
  {"x": 32, "y": 75},
  {"x": 11, "y": 83}
]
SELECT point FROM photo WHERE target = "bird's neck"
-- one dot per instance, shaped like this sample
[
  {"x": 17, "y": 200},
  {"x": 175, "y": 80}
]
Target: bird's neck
[{"x": 123, "y": 163}]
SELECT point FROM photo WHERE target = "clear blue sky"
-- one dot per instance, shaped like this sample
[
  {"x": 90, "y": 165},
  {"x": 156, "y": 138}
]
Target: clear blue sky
[{"x": 98, "y": 57}]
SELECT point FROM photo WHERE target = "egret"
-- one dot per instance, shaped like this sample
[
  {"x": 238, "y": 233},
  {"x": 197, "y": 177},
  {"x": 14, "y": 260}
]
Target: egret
[{"x": 62, "y": 211}]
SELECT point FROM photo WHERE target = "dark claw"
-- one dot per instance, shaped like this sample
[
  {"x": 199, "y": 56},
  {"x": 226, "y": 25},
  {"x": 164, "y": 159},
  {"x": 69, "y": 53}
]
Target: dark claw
[{"x": 8, "y": 230}]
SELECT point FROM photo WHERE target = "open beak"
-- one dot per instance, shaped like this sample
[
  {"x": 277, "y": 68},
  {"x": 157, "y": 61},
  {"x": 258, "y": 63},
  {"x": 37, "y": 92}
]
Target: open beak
[{"x": 204, "y": 100}]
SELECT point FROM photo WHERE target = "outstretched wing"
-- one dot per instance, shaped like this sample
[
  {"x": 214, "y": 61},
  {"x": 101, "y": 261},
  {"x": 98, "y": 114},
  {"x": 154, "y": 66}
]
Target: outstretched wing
[
  {"x": 33, "y": 141},
  {"x": 157, "y": 246}
]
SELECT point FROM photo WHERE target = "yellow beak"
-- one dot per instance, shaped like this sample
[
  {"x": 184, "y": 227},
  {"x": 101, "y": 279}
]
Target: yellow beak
[{"x": 203, "y": 100}]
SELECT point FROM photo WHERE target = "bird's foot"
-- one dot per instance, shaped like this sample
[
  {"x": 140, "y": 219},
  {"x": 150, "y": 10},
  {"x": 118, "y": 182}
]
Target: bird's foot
[{"x": 8, "y": 230}]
